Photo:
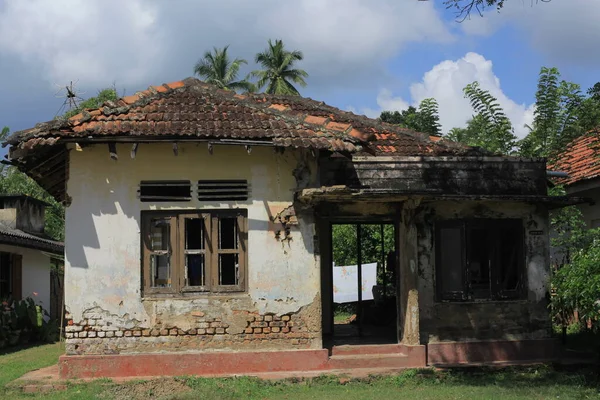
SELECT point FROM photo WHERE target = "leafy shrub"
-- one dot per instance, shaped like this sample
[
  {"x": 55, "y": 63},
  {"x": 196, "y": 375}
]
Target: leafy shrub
[
  {"x": 577, "y": 286},
  {"x": 23, "y": 322}
]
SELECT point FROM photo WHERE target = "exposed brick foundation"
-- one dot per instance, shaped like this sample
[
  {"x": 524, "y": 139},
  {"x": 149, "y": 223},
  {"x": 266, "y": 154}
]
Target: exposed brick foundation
[{"x": 96, "y": 335}]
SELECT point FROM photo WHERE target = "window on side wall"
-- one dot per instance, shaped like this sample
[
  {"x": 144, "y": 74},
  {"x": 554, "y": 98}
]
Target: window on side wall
[
  {"x": 479, "y": 259},
  {"x": 187, "y": 253}
]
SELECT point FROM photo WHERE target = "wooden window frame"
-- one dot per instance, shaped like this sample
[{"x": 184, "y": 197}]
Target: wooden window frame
[
  {"x": 178, "y": 252},
  {"x": 496, "y": 291}
]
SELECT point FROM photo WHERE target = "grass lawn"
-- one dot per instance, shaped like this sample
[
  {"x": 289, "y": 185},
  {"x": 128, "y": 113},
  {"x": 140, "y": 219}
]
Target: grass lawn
[{"x": 540, "y": 382}]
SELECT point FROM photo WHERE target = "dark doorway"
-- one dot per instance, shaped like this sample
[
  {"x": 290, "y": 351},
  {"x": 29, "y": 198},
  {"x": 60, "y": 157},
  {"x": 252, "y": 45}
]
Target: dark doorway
[{"x": 362, "y": 253}]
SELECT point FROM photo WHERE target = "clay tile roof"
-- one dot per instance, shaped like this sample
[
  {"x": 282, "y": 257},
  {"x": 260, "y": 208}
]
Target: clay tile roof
[
  {"x": 581, "y": 159},
  {"x": 192, "y": 109}
]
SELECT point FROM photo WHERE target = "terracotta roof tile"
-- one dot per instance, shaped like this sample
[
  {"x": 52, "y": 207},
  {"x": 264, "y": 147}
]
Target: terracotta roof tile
[
  {"x": 581, "y": 159},
  {"x": 192, "y": 108}
]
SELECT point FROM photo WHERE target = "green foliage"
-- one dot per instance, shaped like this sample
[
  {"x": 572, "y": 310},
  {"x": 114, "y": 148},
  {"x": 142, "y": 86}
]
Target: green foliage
[
  {"x": 576, "y": 272},
  {"x": 556, "y": 116},
  {"x": 489, "y": 128},
  {"x": 104, "y": 95},
  {"x": 577, "y": 285},
  {"x": 344, "y": 243},
  {"x": 278, "y": 71},
  {"x": 426, "y": 119},
  {"x": 218, "y": 69},
  {"x": 22, "y": 322},
  {"x": 13, "y": 181}
]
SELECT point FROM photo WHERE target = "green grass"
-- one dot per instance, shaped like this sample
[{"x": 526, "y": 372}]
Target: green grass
[
  {"x": 540, "y": 382},
  {"x": 16, "y": 361}
]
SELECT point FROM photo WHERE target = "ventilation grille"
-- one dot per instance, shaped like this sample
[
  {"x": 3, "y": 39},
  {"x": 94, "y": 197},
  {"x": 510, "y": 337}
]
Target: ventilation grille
[
  {"x": 228, "y": 190},
  {"x": 151, "y": 191}
]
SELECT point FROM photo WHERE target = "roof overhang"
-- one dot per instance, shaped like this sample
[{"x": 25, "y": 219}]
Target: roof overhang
[
  {"x": 49, "y": 246},
  {"x": 344, "y": 194}
]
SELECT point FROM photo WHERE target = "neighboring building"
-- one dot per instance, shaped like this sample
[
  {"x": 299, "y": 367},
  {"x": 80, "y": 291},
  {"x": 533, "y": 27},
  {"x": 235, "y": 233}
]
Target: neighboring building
[
  {"x": 581, "y": 161},
  {"x": 26, "y": 253},
  {"x": 198, "y": 236}
]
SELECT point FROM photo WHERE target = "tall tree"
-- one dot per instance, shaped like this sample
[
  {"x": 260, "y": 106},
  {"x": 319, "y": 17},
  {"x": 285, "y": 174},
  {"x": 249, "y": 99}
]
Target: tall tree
[
  {"x": 589, "y": 111},
  {"x": 489, "y": 128},
  {"x": 425, "y": 119},
  {"x": 218, "y": 69},
  {"x": 556, "y": 117},
  {"x": 278, "y": 71}
]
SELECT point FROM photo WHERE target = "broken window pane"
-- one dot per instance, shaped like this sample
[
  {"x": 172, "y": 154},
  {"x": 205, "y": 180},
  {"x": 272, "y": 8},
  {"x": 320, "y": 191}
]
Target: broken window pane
[
  {"x": 451, "y": 262},
  {"x": 228, "y": 269},
  {"x": 159, "y": 234},
  {"x": 160, "y": 260},
  {"x": 479, "y": 262},
  {"x": 194, "y": 233},
  {"x": 228, "y": 233},
  {"x": 161, "y": 270},
  {"x": 195, "y": 269}
]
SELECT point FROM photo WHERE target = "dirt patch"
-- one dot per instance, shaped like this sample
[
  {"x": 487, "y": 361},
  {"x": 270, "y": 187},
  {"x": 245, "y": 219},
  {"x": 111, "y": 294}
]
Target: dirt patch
[{"x": 153, "y": 389}]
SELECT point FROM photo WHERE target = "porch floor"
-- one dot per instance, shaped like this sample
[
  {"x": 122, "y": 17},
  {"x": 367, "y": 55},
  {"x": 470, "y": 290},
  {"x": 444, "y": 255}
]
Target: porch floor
[{"x": 349, "y": 334}]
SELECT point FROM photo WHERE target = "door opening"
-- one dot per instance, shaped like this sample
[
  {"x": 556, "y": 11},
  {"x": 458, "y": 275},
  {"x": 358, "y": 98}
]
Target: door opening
[{"x": 363, "y": 281}]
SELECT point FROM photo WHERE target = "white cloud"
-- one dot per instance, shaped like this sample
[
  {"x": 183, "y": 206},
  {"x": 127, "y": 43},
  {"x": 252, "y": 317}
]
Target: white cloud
[
  {"x": 76, "y": 39},
  {"x": 136, "y": 41},
  {"x": 565, "y": 31},
  {"x": 445, "y": 83}
]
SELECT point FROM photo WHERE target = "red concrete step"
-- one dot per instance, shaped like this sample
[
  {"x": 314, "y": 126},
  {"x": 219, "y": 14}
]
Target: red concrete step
[
  {"x": 397, "y": 360},
  {"x": 347, "y": 350}
]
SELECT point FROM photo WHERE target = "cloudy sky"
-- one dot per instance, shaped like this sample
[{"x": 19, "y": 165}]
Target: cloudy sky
[{"x": 362, "y": 55}]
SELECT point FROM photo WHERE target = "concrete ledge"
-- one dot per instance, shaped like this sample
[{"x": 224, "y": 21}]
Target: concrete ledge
[
  {"x": 172, "y": 364},
  {"x": 238, "y": 363},
  {"x": 454, "y": 353}
]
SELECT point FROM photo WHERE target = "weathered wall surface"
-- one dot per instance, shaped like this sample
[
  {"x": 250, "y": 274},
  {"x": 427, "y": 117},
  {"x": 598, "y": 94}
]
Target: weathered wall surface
[
  {"x": 509, "y": 319},
  {"x": 36, "y": 274},
  {"x": 447, "y": 175},
  {"x": 591, "y": 212},
  {"x": 281, "y": 308},
  {"x": 20, "y": 213}
]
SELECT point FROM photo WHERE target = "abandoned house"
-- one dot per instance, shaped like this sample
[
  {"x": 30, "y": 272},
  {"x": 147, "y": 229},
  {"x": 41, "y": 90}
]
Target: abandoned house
[
  {"x": 27, "y": 254},
  {"x": 579, "y": 161},
  {"x": 198, "y": 237}
]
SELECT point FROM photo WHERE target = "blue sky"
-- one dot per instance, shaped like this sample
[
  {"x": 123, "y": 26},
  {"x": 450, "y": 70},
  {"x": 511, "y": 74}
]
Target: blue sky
[{"x": 362, "y": 55}]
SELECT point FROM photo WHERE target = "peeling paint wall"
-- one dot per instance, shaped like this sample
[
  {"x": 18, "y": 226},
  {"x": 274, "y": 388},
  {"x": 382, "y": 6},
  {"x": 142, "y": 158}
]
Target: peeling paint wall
[
  {"x": 103, "y": 269},
  {"x": 512, "y": 319}
]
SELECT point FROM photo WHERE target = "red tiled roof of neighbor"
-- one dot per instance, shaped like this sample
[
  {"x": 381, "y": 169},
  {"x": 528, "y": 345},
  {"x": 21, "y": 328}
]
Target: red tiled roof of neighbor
[
  {"x": 191, "y": 109},
  {"x": 581, "y": 159}
]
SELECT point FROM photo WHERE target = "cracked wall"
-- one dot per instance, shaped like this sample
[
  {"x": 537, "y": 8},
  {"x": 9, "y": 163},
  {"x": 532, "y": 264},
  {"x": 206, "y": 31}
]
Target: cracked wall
[
  {"x": 527, "y": 318},
  {"x": 102, "y": 267}
]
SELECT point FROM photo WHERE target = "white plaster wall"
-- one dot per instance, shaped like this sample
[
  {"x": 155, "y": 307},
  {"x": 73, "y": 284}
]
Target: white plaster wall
[
  {"x": 102, "y": 266},
  {"x": 36, "y": 274}
]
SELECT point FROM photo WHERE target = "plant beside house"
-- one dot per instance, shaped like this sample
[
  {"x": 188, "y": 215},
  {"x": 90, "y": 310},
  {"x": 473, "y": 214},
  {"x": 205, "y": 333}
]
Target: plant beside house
[{"x": 22, "y": 322}]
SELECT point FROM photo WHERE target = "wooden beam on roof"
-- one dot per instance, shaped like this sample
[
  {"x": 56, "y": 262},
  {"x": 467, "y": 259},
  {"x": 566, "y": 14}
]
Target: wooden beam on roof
[
  {"x": 47, "y": 165},
  {"x": 112, "y": 150},
  {"x": 134, "y": 148}
]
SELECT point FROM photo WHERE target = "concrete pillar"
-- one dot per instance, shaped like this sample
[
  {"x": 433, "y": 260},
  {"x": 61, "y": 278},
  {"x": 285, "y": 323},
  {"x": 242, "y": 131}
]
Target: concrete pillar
[
  {"x": 407, "y": 257},
  {"x": 326, "y": 262}
]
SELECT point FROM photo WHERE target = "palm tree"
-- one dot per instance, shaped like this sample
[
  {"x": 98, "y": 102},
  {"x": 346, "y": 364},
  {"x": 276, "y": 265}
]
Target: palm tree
[
  {"x": 277, "y": 69},
  {"x": 216, "y": 68}
]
